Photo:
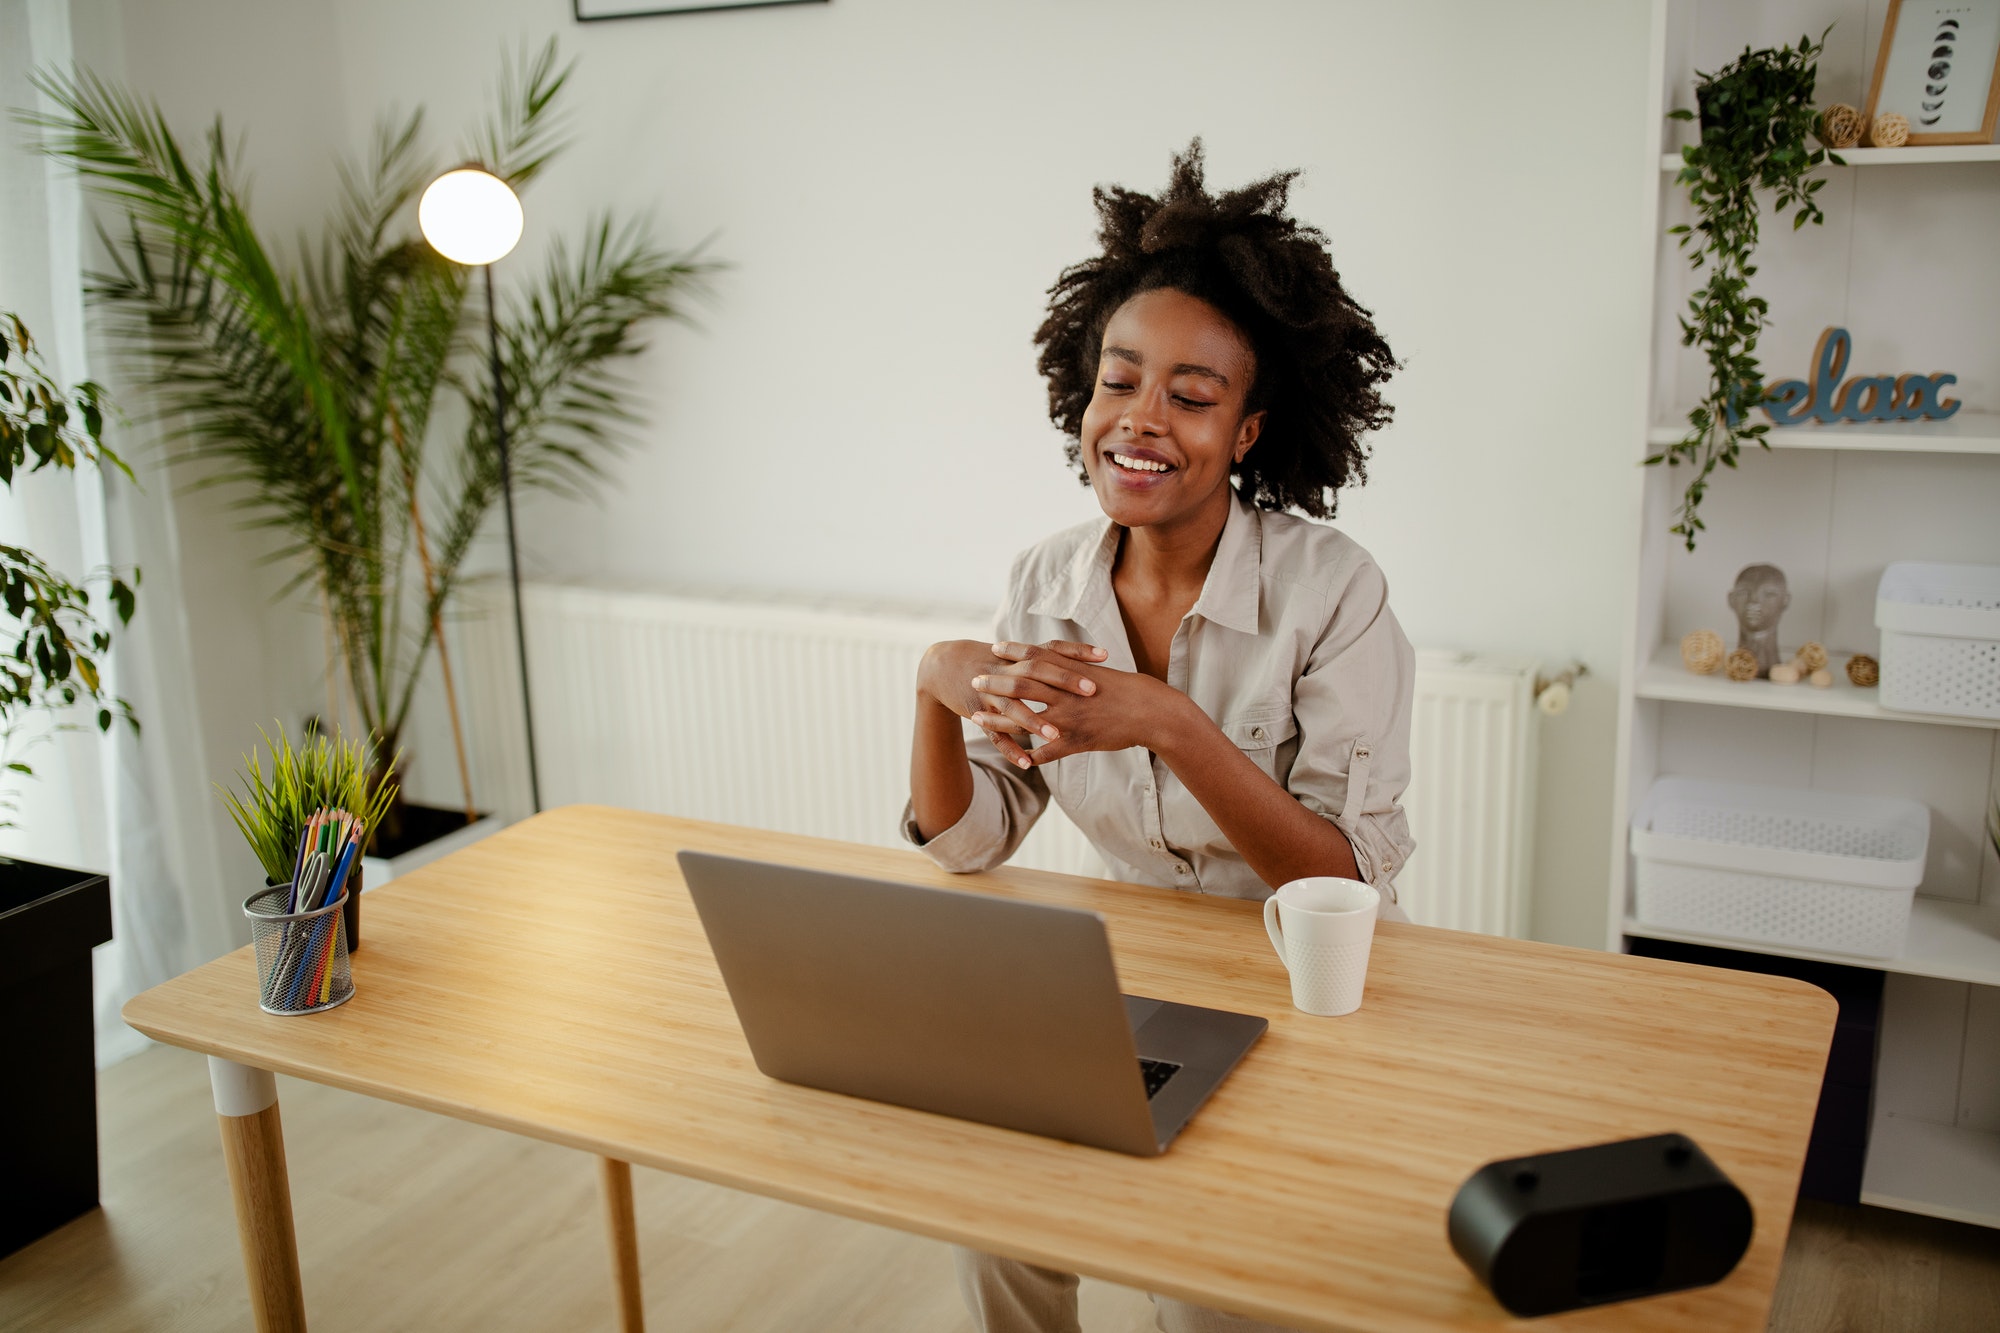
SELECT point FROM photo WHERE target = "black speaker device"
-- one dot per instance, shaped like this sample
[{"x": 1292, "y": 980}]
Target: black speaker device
[{"x": 1590, "y": 1226}]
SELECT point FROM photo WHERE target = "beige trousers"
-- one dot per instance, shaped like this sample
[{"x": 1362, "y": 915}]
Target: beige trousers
[{"x": 1008, "y": 1296}]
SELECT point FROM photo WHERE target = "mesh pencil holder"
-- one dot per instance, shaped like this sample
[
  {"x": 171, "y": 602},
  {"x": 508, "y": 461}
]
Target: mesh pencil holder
[{"x": 301, "y": 956}]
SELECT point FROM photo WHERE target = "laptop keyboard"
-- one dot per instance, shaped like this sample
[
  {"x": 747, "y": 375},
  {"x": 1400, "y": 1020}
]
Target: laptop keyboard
[{"x": 1157, "y": 1072}]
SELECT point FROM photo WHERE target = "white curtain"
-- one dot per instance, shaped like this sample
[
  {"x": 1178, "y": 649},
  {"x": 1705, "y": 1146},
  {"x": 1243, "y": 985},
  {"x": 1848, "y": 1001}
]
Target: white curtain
[{"x": 137, "y": 806}]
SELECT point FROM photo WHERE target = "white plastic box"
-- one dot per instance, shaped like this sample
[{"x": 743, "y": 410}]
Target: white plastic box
[
  {"x": 1811, "y": 869},
  {"x": 1940, "y": 638}
]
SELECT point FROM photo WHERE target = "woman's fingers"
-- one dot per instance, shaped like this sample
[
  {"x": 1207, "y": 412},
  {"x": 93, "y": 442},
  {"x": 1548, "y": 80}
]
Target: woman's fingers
[
  {"x": 1021, "y": 652},
  {"x": 1015, "y": 716},
  {"x": 1010, "y": 679},
  {"x": 1050, "y": 751},
  {"x": 1010, "y": 749},
  {"x": 1041, "y": 681}
]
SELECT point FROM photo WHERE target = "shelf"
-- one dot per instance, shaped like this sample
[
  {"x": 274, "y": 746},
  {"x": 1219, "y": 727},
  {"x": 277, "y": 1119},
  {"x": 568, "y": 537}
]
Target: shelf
[
  {"x": 1965, "y": 433},
  {"x": 1665, "y": 678},
  {"x": 1938, "y": 1170},
  {"x": 1951, "y": 940},
  {"x": 1891, "y": 157}
]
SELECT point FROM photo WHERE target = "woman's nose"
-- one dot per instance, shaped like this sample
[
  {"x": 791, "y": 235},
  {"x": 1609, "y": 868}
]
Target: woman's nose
[{"x": 1146, "y": 413}]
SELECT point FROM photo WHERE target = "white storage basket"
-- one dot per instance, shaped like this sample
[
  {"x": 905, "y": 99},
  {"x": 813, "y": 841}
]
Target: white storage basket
[
  {"x": 1812, "y": 869},
  {"x": 1940, "y": 638}
]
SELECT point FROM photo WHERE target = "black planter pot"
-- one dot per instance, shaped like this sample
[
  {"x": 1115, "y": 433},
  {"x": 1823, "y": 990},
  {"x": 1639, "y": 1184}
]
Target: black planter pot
[
  {"x": 50, "y": 919},
  {"x": 1702, "y": 102}
]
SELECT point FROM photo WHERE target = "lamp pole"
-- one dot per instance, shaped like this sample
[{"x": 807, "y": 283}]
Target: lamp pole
[
  {"x": 472, "y": 217},
  {"x": 513, "y": 547}
]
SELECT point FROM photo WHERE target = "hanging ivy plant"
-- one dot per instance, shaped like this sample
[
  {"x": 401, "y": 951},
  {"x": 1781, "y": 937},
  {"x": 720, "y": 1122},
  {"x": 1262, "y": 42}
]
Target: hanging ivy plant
[{"x": 1756, "y": 114}]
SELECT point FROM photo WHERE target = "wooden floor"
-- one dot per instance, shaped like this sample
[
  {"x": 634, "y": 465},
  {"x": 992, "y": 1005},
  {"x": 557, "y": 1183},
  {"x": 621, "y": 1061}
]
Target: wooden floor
[{"x": 410, "y": 1220}]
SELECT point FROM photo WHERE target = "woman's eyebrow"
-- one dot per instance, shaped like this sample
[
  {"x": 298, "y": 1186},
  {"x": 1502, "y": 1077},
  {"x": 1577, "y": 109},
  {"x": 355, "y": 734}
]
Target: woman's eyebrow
[{"x": 1184, "y": 368}]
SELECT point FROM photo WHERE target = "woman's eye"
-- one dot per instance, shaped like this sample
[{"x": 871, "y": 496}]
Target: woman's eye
[
  {"x": 1115, "y": 384},
  {"x": 1191, "y": 402}
]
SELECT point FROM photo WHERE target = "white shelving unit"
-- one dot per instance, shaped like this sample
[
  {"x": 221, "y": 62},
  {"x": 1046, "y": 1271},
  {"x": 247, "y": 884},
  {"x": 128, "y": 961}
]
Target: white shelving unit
[
  {"x": 1664, "y": 678},
  {"x": 1890, "y": 157},
  {"x": 1950, "y": 941},
  {"x": 1905, "y": 262},
  {"x": 1941, "y": 1170},
  {"x": 1965, "y": 433}
]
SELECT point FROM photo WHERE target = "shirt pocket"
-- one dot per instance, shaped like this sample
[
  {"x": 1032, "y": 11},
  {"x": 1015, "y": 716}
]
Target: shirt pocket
[
  {"x": 1261, "y": 734},
  {"x": 1069, "y": 782}
]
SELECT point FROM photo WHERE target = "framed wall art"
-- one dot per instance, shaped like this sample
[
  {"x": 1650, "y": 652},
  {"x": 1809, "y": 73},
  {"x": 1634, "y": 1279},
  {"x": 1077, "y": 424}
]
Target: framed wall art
[
  {"x": 1939, "y": 66},
  {"x": 593, "y": 11}
]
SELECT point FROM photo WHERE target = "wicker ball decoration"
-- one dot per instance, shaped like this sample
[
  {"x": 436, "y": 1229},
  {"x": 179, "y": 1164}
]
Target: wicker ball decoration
[
  {"x": 1840, "y": 126},
  {"x": 1862, "y": 670},
  {"x": 1702, "y": 652},
  {"x": 1812, "y": 656},
  {"x": 1890, "y": 130},
  {"x": 1742, "y": 665}
]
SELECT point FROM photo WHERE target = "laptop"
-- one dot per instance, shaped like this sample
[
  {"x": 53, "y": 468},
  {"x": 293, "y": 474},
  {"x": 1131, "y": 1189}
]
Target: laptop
[{"x": 984, "y": 1008}]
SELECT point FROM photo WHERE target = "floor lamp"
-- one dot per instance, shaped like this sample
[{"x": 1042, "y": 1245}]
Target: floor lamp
[{"x": 471, "y": 217}]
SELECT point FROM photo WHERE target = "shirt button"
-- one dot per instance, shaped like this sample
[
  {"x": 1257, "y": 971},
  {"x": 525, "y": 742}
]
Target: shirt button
[
  {"x": 1159, "y": 846},
  {"x": 1180, "y": 870},
  {"x": 1256, "y": 733}
]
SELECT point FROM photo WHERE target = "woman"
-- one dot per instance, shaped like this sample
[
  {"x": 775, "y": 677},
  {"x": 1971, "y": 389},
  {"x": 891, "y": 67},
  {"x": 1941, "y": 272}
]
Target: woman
[{"x": 1215, "y": 691}]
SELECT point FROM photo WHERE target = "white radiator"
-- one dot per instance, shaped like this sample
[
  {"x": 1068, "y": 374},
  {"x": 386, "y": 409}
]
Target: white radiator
[
  {"x": 797, "y": 718},
  {"x": 1471, "y": 799}
]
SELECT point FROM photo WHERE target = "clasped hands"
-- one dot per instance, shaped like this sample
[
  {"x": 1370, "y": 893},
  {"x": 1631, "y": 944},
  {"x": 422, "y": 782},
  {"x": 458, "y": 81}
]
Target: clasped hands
[{"x": 1086, "y": 704}]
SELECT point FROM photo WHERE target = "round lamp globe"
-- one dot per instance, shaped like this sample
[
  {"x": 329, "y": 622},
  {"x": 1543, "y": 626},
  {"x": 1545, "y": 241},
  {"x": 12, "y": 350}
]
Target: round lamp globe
[{"x": 470, "y": 216}]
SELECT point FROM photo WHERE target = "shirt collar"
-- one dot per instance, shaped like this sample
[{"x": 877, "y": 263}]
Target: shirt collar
[
  {"x": 1083, "y": 586},
  {"x": 1228, "y": 595}
]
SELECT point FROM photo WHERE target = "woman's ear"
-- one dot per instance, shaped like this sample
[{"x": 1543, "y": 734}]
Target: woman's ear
[{"x": 1247, "y": 431}]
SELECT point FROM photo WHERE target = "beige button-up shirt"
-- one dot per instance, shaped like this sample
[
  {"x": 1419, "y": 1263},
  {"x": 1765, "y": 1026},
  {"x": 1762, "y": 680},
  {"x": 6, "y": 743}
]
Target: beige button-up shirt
[{"x": 1291, "y": 648}]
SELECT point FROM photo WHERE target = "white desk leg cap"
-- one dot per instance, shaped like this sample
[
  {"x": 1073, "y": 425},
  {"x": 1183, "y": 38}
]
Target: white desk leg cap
[{"x": 239, "y": 1089}]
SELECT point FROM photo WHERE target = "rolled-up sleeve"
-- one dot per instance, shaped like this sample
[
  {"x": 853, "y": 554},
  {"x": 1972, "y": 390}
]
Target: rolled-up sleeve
[
  {"x": 1006, "y": 801},
  {"x": 1352, "y": 705}
]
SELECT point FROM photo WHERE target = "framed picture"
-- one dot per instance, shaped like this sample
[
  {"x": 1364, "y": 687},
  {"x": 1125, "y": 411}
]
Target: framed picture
[
  {"x": 1939, "y": 65},
  {"x": 592, "y": 11}
]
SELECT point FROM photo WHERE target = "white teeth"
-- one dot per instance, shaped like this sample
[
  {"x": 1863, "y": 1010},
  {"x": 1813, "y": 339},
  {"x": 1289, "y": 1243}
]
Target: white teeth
[{"x": 1139, "y": 464}]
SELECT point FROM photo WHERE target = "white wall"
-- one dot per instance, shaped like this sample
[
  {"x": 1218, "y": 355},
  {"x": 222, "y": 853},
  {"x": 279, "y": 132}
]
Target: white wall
[{"x": 896, "y": 183}]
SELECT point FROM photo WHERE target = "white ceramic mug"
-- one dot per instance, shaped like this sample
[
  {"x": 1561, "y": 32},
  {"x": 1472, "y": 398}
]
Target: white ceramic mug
[{"x": 1322, "y": 928}]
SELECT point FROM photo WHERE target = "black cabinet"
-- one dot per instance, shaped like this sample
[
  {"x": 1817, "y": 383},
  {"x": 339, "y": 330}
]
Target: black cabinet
[
  {"x": 1839, "y": 1143},
  {"x": 50, "y": 919}
]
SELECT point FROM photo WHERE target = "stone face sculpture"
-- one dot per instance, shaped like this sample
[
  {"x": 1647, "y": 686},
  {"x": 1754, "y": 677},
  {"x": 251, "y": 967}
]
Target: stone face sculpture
[{"x": 1759, "y": 599}]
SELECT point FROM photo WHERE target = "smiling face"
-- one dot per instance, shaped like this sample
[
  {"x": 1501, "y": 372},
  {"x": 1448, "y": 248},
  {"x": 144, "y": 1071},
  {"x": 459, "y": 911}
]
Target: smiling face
[{"x": 1166, "y": 419}]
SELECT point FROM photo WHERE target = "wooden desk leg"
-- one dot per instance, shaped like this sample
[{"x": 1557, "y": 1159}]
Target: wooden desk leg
[
  {"x": 253, "y": 1145},
  {"x": 616, "y": 1177}
]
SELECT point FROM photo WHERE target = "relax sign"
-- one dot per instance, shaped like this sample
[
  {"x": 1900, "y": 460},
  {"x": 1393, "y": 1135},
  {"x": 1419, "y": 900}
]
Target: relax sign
[{"x": 1908, "y": 397}]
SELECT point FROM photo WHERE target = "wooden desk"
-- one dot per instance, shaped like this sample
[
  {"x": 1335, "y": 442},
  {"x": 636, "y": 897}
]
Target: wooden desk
[{"x": 553, "y": 980}]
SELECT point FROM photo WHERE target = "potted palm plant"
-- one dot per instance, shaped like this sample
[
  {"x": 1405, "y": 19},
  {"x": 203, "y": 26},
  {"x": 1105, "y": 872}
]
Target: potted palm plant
[
  {"x": 50, "y": 916},
  {"x": 343, "y": 393}
]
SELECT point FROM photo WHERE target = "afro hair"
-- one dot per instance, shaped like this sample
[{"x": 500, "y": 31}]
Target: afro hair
[{"x": 1320, "y": 362}]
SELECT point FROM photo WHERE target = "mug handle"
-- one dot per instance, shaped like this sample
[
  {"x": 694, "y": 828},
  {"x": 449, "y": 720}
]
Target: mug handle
[{"x": 1271, "y": 929}]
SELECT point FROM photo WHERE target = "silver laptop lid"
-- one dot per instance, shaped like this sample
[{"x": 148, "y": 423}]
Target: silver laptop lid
[{"x": 974, "y": 1006}]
